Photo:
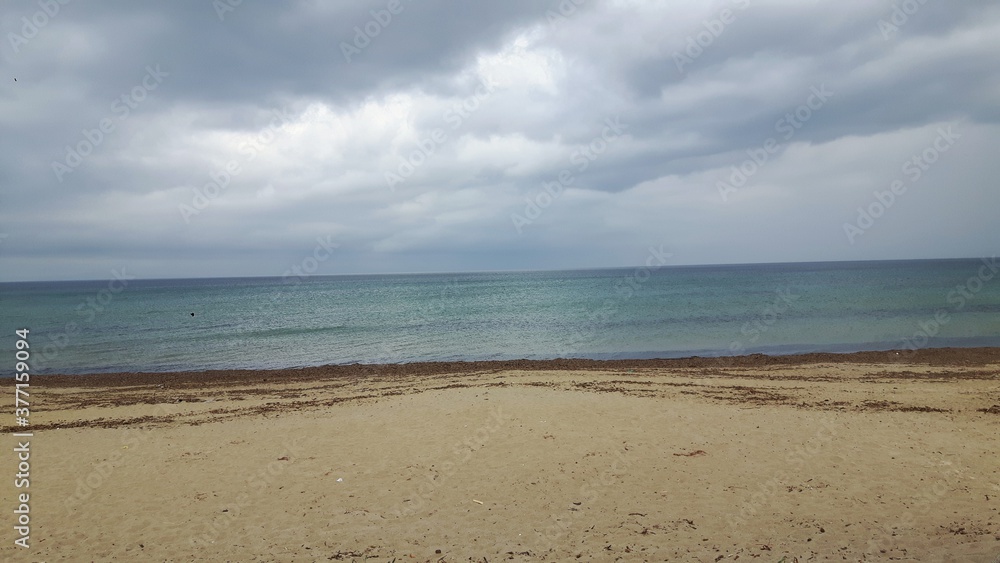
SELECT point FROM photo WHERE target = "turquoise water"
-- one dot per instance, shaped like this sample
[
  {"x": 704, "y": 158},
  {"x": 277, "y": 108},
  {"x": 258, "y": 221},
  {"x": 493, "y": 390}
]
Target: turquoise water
[{"x": 145, "y": 325}]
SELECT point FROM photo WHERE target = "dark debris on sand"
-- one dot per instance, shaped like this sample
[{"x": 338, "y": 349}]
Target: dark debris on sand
[{"x": 931, "y": 357}]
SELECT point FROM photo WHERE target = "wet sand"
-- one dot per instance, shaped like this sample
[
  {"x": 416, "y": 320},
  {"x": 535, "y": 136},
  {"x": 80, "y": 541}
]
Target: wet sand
[{"x": 822, "y": 457}]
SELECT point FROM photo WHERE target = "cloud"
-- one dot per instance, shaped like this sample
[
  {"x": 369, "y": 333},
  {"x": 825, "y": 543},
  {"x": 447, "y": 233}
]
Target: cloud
[{"x": 256, "y": 120}]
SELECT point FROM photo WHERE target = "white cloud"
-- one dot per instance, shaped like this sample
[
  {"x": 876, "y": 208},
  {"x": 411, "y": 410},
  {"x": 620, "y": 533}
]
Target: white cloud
[{"x": 321, "y": 170}]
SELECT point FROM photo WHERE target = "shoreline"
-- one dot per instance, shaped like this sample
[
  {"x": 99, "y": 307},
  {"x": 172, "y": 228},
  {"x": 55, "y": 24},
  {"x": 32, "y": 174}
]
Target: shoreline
[{"x": 947, "y": 356}]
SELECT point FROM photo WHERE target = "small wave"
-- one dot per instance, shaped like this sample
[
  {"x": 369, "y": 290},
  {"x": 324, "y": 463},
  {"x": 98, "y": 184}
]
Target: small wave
[{"x": 292, "y": 331}]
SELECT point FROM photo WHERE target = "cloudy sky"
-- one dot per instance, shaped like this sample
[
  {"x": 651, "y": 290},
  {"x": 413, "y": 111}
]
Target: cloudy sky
[{"x": 201, "y": 139}]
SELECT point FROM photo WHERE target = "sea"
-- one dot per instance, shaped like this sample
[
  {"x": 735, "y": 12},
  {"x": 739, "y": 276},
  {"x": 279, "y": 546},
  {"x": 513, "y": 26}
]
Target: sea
[{"x": 128, "y": 325}]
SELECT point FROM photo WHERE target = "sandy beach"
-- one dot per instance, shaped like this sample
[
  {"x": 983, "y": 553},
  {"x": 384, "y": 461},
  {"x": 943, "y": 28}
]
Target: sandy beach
[{"x": 860, "y": 457}]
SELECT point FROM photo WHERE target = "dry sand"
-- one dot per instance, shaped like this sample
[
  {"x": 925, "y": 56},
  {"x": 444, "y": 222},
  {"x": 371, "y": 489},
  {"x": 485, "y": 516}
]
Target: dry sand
[{"x": 865, "y": 457}]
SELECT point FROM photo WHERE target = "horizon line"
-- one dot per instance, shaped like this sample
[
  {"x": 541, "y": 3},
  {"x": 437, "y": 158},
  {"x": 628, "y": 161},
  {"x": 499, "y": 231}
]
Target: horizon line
[{"x": 513, "y": 271}]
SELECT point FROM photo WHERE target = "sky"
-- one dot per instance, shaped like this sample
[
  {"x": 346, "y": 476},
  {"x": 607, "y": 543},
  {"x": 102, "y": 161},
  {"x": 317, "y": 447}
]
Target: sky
[{"x": 246, "y": 138}]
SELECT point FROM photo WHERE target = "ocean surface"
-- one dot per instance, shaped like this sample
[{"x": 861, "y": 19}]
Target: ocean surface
[{"x": 146, "y": 325}]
